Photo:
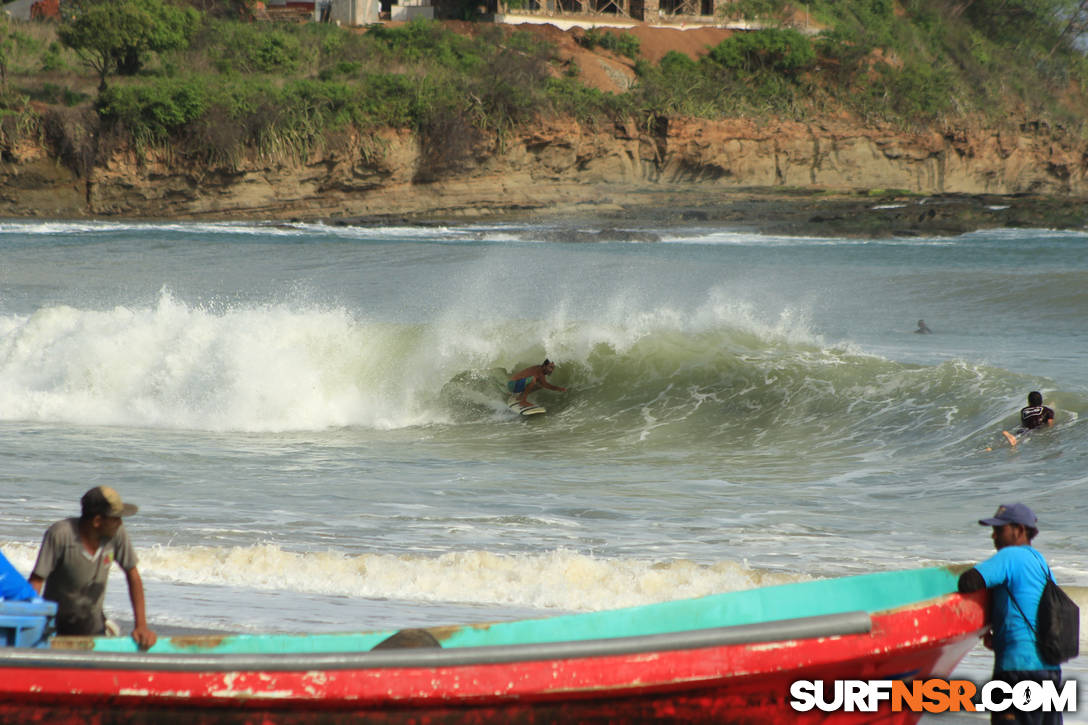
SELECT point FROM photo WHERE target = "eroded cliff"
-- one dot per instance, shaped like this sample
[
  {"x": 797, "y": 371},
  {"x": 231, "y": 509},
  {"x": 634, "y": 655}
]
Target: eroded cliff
[{"x": 556, "y": 163}]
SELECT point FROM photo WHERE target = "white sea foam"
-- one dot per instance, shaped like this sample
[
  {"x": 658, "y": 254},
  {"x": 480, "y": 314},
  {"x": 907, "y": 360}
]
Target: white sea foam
[
  {"x": 550, "y": 580},
  {"x": 560, "y": 579},
  {"x": 756, "y": 239},
  {"x": 191, "y": 229},
  {"x": 298, "y": 366},
  {"x": 174, "y": 365}
]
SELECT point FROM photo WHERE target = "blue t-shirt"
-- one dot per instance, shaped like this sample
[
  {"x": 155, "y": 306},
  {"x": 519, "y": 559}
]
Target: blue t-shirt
[{"x": 1023, "y": 571}]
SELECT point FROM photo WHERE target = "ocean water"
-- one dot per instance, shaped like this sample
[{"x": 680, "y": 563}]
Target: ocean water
[{"x": 312, "y": 418}]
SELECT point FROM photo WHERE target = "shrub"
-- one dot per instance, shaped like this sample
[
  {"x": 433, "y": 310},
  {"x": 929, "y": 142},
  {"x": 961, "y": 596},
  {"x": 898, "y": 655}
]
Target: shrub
[
  {"x": 344, "y": 68},
  {"x": 779, "y": 51},
  {"x": 53, "y": 58},
  {"x": 53, "y": 94},
  {"x": 917, "y": 91},
  {"x": 620, "y": 43},
  {"x": 678, "y": 64},
  {"x": 511, "y": 94},
  {"x": 216, "y": 138},
  {"x": 392, "y": 100},
  {"x": 846, "y": 56},
  {"x": 427, "y": 42},
  {"x": 678, "y": 85},
  {"x": 624, "y": 44},
  {"x": 768, "y": 10},
  {"x": 152, "y": 113},
  {"x": 252, "y": 48},
  {"x": 870, "y": 23},
  {"x": 1018, "y": 22},
  {"x": 569, "y": 97}
]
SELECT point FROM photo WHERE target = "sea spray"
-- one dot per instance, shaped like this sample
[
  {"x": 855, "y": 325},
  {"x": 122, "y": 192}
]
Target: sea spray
[{"x": 644, "y": 377}]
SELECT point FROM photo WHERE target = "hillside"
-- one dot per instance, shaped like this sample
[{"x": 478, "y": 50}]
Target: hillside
[
  {"x": 460, "y": 119},
  {"x": 609, "y": 71}
]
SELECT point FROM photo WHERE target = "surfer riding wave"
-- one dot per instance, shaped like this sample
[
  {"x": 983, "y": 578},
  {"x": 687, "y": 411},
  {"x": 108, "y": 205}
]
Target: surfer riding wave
[{"x": 532, "y": 378}]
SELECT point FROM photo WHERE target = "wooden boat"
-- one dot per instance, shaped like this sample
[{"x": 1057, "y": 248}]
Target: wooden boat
[{"x": 723, "y": 658}]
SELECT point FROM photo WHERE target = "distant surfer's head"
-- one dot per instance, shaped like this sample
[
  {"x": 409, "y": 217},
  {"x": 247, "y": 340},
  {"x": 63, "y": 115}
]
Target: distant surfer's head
[
  {"x": 1035, "y": 398},
  {"x": 547, "y": 365}
]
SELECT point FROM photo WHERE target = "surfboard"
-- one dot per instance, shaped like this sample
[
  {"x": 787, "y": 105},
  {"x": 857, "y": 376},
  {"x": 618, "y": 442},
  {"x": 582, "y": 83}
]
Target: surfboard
[{"x": 515, "y": 406}]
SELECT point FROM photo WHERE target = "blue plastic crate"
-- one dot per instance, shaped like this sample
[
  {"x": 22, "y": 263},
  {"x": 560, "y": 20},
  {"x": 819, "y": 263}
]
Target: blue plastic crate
[{"x": 27, "y": 624}]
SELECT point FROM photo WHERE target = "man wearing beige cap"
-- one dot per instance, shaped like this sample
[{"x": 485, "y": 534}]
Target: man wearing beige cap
[{"x": 74, "y": 565}]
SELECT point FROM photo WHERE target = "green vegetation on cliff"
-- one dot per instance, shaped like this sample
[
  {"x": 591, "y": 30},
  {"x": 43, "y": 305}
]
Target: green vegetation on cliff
[{"x": 142, "y": 73}]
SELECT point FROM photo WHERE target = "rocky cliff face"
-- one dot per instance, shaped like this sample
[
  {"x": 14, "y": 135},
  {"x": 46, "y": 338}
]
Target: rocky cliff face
[{"x": 554, "y": 164}]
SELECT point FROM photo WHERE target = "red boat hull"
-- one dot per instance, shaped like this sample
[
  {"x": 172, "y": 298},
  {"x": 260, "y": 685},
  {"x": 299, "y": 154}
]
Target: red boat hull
[{"x": 747, "y": 683}]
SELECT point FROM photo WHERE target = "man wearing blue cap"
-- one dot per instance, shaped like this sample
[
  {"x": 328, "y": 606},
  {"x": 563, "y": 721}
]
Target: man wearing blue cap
[{"x": 1016, "y": 576}]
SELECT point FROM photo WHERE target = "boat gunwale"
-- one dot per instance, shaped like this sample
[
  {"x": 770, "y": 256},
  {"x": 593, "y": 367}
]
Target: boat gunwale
[{"x": 813, "y": 627}]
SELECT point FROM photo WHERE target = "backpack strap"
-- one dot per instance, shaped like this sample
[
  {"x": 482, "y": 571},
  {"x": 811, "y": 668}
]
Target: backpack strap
[
  {"x": 1049, "y": 577},
  {"x": 1017, "y": 605},
  {"x": 1042, "y": 563}
]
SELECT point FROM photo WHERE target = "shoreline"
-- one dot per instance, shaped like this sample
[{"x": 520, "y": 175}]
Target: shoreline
[
  {"x": 614, "y": 213},
  {"x": 771, "y": 212}
]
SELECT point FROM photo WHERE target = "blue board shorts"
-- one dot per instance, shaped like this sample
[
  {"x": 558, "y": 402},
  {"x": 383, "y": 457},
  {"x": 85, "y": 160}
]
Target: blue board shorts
[{"x": 518, "y": 386}]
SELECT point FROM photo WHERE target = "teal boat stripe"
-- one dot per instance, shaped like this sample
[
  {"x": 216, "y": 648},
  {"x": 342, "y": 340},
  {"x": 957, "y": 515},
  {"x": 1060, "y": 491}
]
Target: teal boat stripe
[{"x": 868, "y": 592}]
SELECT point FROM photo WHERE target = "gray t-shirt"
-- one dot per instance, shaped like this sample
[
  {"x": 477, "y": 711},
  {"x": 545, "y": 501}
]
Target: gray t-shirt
[{"x": 76, "y": 580}]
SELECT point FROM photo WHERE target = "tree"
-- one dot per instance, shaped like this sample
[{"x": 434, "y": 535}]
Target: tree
[
  {"x": 116, "y": 35},
  {"x": 1076, "y": 27}
]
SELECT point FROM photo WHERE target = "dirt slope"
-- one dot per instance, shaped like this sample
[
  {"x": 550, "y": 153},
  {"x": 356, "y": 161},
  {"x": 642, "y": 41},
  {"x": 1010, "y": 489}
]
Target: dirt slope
[{"x": 607, "y": 71}]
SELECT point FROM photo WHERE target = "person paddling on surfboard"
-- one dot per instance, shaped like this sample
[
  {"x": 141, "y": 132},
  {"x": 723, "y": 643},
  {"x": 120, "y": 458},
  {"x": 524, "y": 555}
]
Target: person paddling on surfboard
[
  {"x": 526, "y": 381},
  {"x": 1033, "y": 415}
]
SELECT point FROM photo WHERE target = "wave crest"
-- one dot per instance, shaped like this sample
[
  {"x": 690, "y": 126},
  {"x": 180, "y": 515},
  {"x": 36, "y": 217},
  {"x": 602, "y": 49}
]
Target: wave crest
[{"x": 717, "y": 373}]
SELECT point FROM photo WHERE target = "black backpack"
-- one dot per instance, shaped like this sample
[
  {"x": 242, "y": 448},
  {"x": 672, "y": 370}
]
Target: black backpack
[{"x": 1058, "y": 620}]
